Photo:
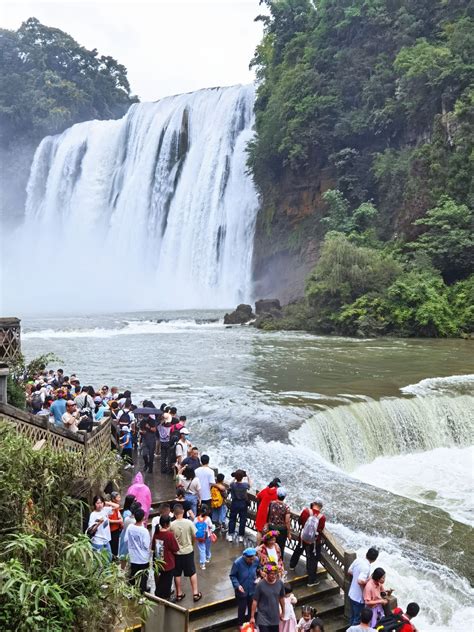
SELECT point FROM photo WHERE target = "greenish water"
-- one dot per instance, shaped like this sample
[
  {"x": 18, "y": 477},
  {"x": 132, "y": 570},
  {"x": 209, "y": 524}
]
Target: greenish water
[{"x": 381, "y": 429}]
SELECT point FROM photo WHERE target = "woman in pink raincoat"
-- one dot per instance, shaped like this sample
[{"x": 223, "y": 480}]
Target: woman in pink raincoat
[{"x": 141, "y": 492}]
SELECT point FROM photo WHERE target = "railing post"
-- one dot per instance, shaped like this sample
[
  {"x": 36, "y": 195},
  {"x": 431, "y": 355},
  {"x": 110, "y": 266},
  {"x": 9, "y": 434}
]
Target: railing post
[
  {"x": 349, "y": 557},
  {"x": 4, "y": 371}
]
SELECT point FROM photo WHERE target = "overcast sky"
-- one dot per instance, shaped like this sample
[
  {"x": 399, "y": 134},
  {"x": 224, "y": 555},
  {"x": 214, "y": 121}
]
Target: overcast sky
[{"x": 168, "y": 46}]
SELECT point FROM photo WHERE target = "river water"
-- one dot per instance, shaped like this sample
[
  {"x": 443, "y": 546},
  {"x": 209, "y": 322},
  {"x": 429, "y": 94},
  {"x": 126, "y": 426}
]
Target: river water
[{"x": 380, "y": 429}]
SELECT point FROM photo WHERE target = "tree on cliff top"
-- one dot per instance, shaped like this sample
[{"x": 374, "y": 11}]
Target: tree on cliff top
[{"x": 48, "y": 82}]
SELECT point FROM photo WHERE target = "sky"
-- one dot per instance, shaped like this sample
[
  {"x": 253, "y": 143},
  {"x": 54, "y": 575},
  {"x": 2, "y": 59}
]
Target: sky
[{"x": 168, "y": 47}]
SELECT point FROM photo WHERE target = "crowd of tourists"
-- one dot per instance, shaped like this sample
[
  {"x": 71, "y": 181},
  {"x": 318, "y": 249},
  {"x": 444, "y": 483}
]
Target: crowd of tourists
[{"x": 205, "y": 506}]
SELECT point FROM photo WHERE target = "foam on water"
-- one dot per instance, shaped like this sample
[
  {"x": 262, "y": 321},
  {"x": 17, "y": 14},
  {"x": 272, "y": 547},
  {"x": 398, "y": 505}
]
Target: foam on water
[
  {"x": 440, "y": 477},
  {"x": 454, "y": 384},
  {"x": 129, "y": 328}
]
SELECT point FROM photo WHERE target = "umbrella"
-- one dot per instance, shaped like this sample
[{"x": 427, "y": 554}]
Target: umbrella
[{"x": 148, "y": 411}]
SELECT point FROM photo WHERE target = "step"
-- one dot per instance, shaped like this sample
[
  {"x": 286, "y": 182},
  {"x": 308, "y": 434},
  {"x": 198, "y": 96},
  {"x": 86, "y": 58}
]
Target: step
[{"x": 327, "y": 600}]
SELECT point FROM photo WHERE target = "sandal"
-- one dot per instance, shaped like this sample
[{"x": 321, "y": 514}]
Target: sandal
[
  {"x": 180, "y": 597},
  {"x": 197, "y": 597}
]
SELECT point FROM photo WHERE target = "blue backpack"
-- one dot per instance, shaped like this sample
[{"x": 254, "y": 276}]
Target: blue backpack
[{"x": 201, "y": 530}]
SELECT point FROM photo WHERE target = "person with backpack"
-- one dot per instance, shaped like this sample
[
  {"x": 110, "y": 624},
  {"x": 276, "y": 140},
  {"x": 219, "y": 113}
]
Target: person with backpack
[
  {"x": 218, "y": 504},
  {"x": 264, "y": 498},
  {"x": 398, "y": 621},
  {"x": 359, "y": 571},
  {"x": 365, "y": 619},
  {"x": 279, "y": 516},
  {"x": 313, "y": 523},
  {"x": 37, "y": 399},
  {"x": 204, "y": 529}
]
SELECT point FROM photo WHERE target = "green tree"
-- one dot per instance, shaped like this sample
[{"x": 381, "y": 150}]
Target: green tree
[{"x": 448, "y": 239}]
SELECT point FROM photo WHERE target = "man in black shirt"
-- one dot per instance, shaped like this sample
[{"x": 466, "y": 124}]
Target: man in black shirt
[{"x": 148, "y": 433}]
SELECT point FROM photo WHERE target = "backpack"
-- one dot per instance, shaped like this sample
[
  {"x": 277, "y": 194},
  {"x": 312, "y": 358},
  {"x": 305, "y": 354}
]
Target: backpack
[
  {"x": 310, "y": 530},
  {"x": 201, "y": 530},
  {"x": 217, "y": 500},
  {"x": 172, "y": 449},
  {"x": 159, "y": 549},
  {"x": 390, "y": 623},
  {"x": 36, "y": 401}
]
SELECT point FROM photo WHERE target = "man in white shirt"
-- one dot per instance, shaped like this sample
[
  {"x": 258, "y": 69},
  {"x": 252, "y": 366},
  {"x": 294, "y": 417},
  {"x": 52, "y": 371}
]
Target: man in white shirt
[
  {"x": 138, "y": 539},
  {"x": 360, "y": 572},
  {"x": 183, "y": 447},
  {"x": 207, "y": 477}
]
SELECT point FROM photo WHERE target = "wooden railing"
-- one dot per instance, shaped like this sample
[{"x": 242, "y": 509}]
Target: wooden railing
[{"x": 93, "y": 445}]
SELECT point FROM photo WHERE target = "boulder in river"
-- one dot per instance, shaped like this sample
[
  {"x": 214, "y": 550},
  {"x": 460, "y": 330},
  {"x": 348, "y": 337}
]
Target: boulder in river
[
  {"x": 267, "y": 306},
  {"x": 240, "y": 316}
]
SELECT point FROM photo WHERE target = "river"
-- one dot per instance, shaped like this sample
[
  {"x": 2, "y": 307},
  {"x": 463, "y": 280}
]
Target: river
[{"x": 380, "y": 429}]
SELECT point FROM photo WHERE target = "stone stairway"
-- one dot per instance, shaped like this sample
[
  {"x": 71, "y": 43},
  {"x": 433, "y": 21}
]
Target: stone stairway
[{"x": 326, "y": 598}]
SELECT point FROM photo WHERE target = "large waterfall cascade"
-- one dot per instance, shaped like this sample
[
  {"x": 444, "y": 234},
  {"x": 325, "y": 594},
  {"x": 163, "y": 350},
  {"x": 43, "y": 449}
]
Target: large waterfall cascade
[{"x": 155, "y": 210}]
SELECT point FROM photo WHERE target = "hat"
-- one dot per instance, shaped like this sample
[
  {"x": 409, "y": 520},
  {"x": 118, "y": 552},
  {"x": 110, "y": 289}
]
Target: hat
[
  {"x": 250, "y": 552},
  {"x": 125, "y": 429},
  {"x": 281, "y": 492},
  {"x": 98, "y": 399},
  {"x": 318, "y": 501},
  {"x": 184, "y": 431}
]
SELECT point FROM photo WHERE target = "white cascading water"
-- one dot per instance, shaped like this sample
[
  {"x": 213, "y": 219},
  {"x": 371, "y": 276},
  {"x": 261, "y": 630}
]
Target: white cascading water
[{"x": 155, "y": 210}]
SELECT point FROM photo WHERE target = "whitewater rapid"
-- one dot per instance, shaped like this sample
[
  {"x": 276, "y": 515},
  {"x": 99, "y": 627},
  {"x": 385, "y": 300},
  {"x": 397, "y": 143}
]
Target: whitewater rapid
[{"x": 155, "y": 210}]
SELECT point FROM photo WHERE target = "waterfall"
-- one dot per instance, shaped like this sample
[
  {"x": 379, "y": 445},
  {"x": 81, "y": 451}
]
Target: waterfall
[
  {"x": 155, "y": 210},
  {"x": 358, "y": 432}
]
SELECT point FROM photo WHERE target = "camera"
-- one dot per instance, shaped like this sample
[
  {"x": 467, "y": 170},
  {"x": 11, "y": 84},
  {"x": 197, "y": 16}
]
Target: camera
[{"x": 383, "y": 595}]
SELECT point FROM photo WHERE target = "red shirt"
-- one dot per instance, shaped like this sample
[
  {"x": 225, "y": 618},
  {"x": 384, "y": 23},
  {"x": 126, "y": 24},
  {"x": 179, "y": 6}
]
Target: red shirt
[
  {"x": 408, "y": 627},
  {"x": 265, "y": 496},
  {"x": 171, "y": 547},
  {"x": 115, "y": 515},
  {"x": 304, "y": 515}
]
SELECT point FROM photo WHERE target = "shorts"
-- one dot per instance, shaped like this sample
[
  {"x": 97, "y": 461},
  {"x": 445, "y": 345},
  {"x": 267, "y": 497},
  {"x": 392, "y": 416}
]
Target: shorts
[{"x": 185, "y": 565}]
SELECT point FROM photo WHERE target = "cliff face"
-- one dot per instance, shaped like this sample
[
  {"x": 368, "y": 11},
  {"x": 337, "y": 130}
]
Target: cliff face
[{"x": 288, "y": 236}]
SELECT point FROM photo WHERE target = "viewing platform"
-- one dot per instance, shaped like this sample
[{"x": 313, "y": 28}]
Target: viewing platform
[{"x": 217, "y": 610}]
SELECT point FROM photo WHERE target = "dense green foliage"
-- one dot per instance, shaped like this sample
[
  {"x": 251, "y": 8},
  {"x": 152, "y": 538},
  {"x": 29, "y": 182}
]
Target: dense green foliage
[
  {"x": 48, "y": 82},
  {"x": 377, "y": 95},
  {"x": 50, "y": 578}
]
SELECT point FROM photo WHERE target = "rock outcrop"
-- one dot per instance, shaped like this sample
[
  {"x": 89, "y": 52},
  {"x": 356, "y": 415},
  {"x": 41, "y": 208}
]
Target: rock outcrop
[
  {"x": 267, "y": 309},
  {"x": 240, "y": 316}
]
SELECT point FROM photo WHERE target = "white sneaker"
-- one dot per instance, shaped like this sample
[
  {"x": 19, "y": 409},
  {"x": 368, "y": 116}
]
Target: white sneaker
[
  {"x": 230, "y": 538},
  {"x": 241, "y": 538},
  {"x": 208, "y": 560},
  {"x": 203, "y": 567}
]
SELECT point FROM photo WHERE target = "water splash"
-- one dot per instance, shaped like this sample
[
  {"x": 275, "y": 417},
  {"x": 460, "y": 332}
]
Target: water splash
[{"x": 153, "y": 210}]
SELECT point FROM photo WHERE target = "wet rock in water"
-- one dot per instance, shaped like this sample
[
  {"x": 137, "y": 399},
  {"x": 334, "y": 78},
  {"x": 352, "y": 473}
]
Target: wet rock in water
[
  {"x": 242, "y": 315},
  {"x": 267, "y": 306}
]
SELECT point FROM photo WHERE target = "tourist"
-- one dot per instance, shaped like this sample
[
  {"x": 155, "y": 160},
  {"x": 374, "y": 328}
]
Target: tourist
[
  {"x": 268, "y": 601},
  {"x": 148, "y": 436},
  {"x": 59, "y": 379},
  {"x": 303, "y": 517},
  {"x": 307, "y": 615},
  {"x": 411, "y": 612},
  {"x": 192, "y": 487},
  {"x": 365, "y": 619},
  {"x": 218, "y": 504},
  {"x": 71, "y": 417},
  {"x": 85, "y": 401},
  {"x": 316, "y": 625},
  {"x": 126, "y": 446},
  {"x": 359, "y": 571},
  {"x": 264, "y": 498},
  {"x": 288, "y": 619},
  {"x": 164, "y": 510},
  {"x": 100, "y": 408},
  {"x": 207, "y": 477},
  {"x": 183, "y": 446},
  {"x": 37, "y": 398},
  {"x": 238, "y": 507},
  {"x": 164, "y": 546},
  {"x": 141, "y": 492},
  {"x": 185, "y": 534},
  {"x": 116, "y": 524},
  {"x": 128, "y": 518},
  {"x": 373, "y": 597},
  {"x": 46, "y": 408},
  {"x": 270, "y": 553},
  {"x": 105, "y": 394},
  {"x": 279, "y": 515},
  {"x": 313, "y": 523},
  {"x": 243, "y": 575},
  {"x": 193, "y": 461},
  {"x": 204, "y": 528},
  {"x": 164, "y": 431},
  {"x": 138, "y": 540},
  {"x": 98, "y": 527},
  {"x": 58, "y": 407}
]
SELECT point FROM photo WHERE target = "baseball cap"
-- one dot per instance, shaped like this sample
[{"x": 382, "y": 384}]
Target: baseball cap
[
  {"x": 250, "y": 552},
  {"x": 184, "y": 431}
]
